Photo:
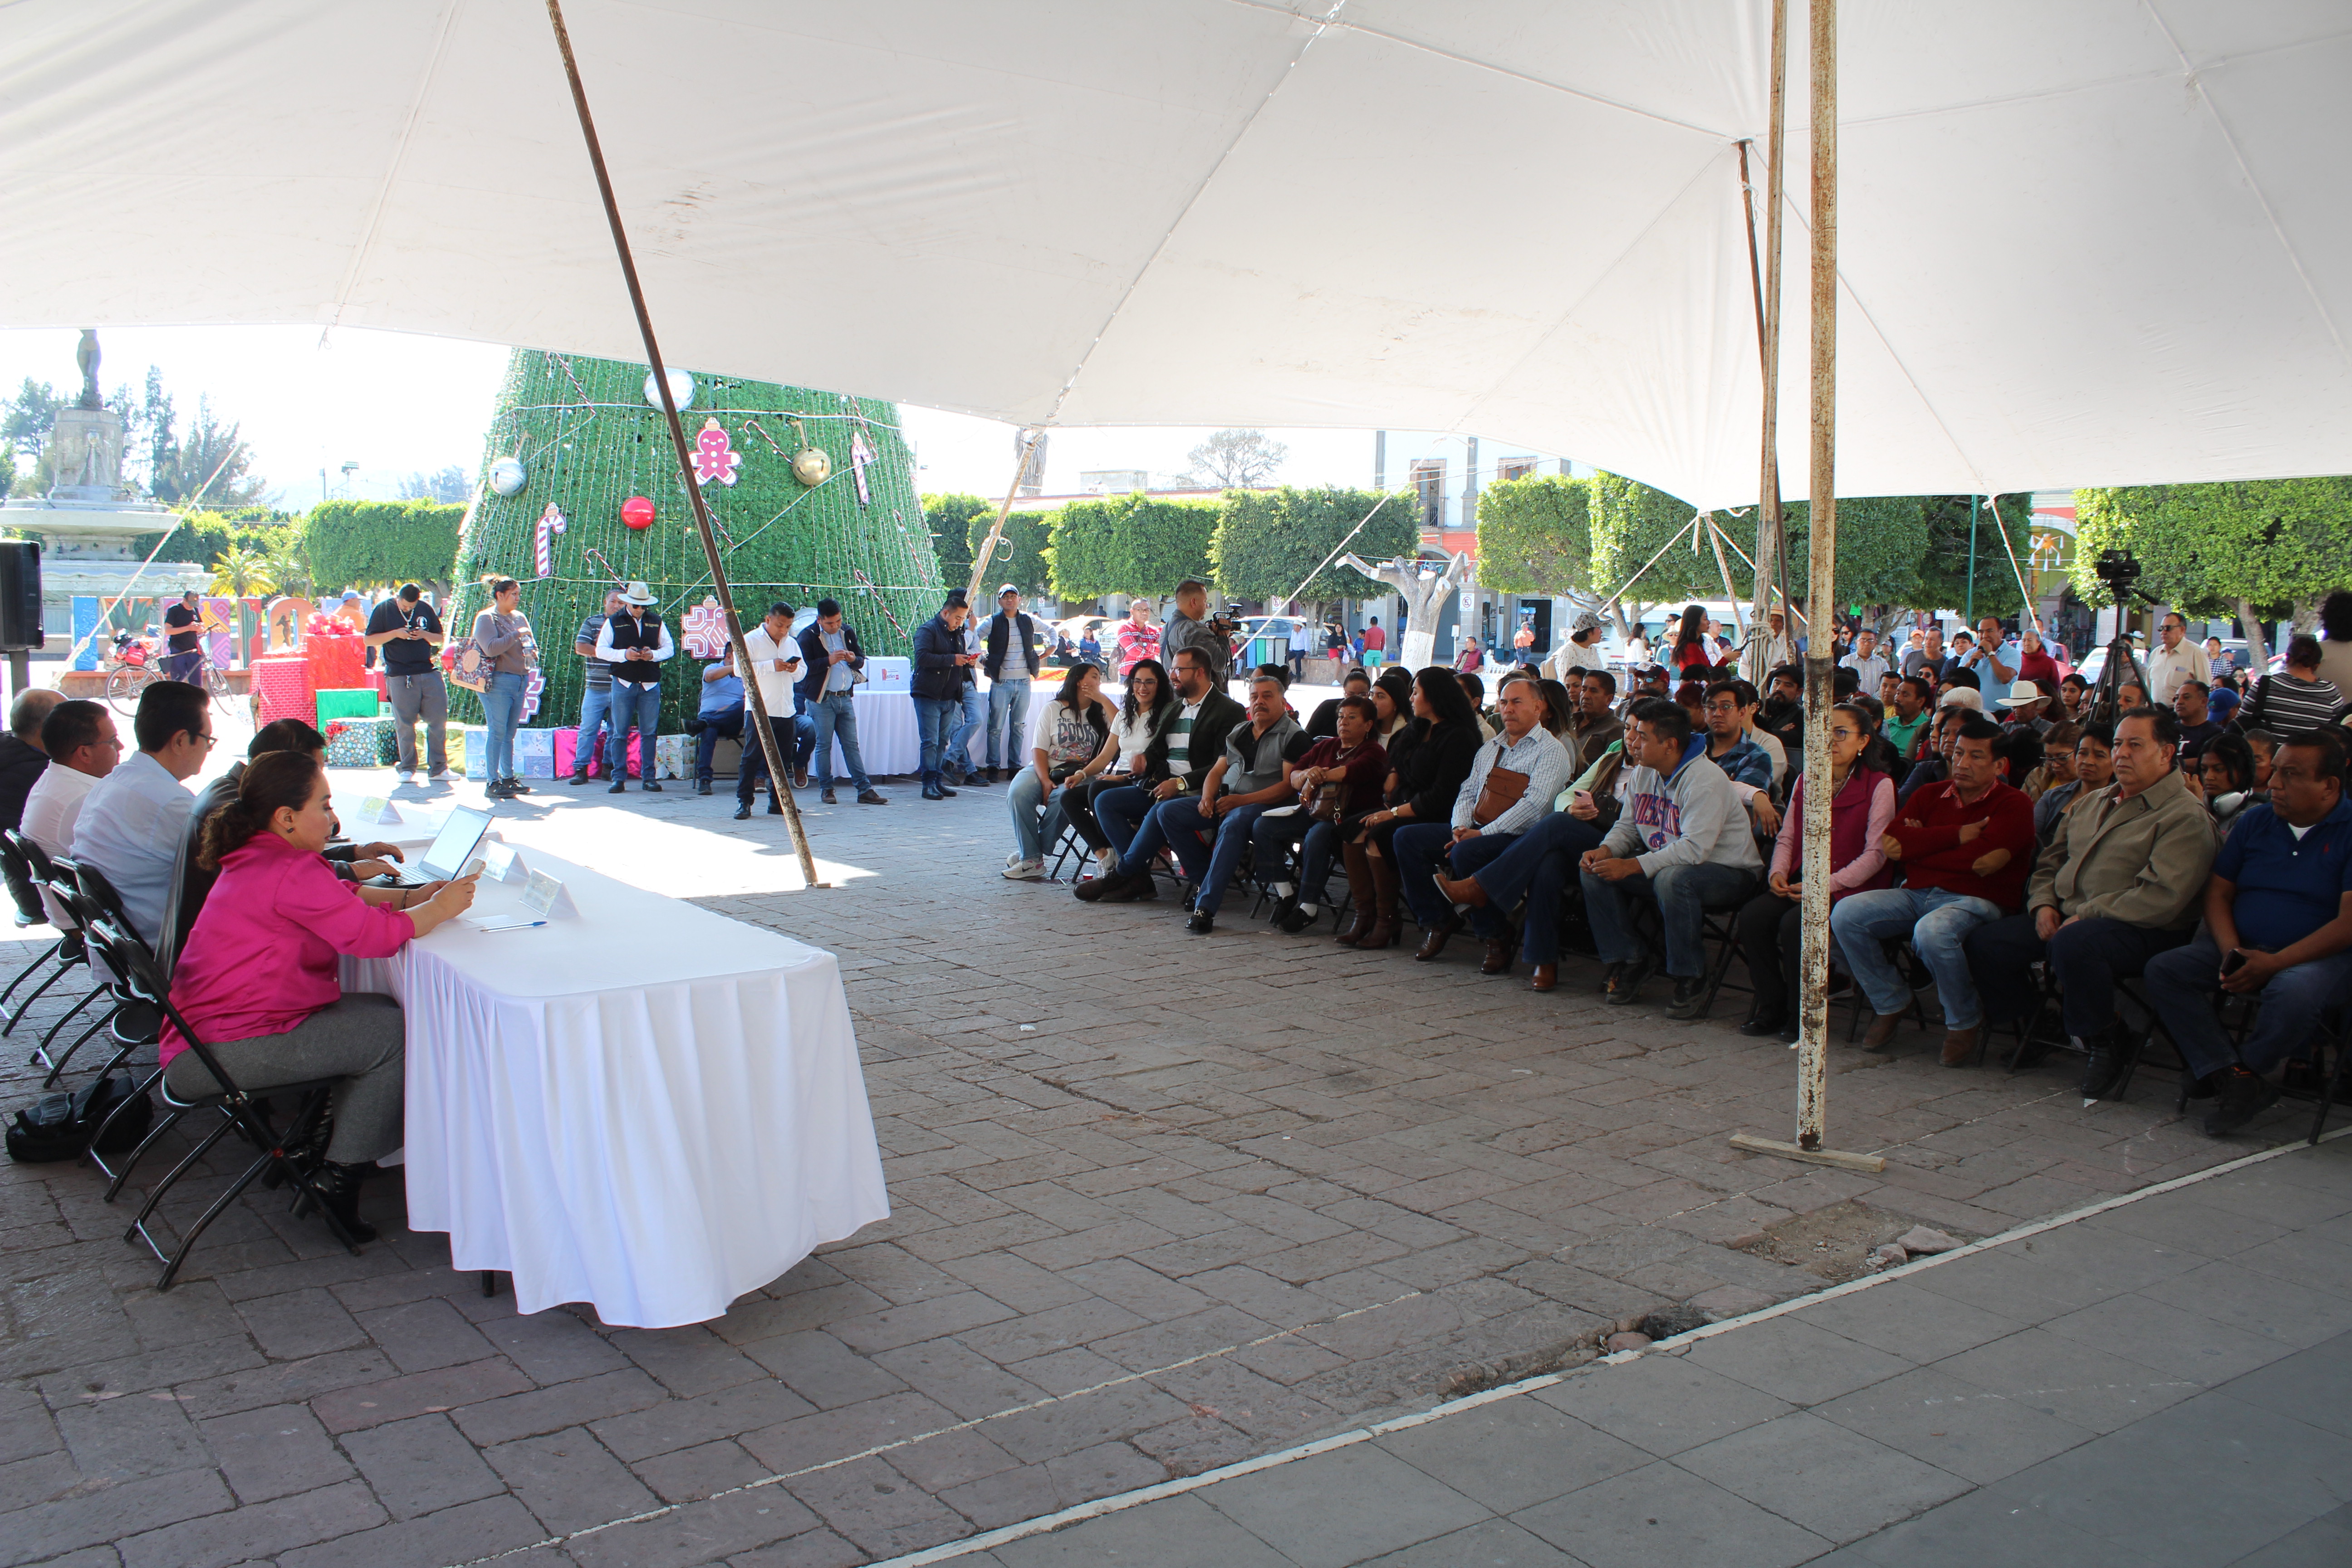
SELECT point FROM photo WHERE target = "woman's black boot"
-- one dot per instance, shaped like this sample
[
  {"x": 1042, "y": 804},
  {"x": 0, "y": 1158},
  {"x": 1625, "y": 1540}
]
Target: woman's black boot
[{"x": 338, "y": 1188}]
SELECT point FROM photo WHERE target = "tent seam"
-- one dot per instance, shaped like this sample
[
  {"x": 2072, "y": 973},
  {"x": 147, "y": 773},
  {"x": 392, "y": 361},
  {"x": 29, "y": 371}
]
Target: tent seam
[{"x": 366, "y": 246}]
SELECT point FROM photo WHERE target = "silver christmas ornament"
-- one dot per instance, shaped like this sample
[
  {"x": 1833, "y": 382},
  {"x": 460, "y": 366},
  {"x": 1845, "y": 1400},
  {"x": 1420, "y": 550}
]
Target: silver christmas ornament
[
  {"x": 681, "y": 390},
  {"x": 508, "y": 476}
]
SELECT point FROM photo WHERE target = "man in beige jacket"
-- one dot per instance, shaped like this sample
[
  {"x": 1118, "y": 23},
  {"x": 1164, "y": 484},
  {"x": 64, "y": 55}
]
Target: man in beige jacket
[{"x": 2121, "y": 881}]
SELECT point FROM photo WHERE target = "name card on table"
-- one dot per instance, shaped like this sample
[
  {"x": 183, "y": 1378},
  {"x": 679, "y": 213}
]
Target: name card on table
[
  {"x": 378, "y": 810},
  {"x": 502, "y": 862},
  {"x": 544, "y": 895}
]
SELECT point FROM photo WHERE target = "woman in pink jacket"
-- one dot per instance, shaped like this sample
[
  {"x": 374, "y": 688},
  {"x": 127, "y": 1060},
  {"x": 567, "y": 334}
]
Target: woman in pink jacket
[{"x": 257, "y": 980}]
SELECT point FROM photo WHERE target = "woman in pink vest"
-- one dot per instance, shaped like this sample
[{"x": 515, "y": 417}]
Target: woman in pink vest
[
  {"x": 1771, "y": 925},
  {"x": 257, "y": 980}
]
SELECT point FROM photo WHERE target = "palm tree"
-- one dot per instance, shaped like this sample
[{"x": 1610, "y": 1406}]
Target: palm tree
[
  {"x": 287, "y": 567},
  {"x": 242, "y": 572}
]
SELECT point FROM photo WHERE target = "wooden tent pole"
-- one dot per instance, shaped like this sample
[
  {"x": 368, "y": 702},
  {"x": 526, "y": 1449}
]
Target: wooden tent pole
[
  {"x": 779, "y": 777},
  {"x": 1771, "y": 530},
  {"x": 1029, "y": 450}
]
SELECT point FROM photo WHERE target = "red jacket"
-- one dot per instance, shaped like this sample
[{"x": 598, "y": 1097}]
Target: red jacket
[{"x": 1928, "y": 827}]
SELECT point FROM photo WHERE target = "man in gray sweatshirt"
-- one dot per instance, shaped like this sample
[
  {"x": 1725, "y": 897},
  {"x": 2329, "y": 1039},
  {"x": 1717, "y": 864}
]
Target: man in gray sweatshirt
[{"x": 1681, "y": 845}]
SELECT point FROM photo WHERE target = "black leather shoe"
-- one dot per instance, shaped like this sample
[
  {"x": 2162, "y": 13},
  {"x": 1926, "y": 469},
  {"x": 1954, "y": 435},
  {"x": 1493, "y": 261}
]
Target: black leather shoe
[
  {"x": 826, "y": 797},
  {"x": 338, "y": 1187},
  {"x": 577, "y": 779},
  {"x": 1760, "y": 1025},
  {"x": 2112, "y": 1055},
  {"x": 618, "y": 786},
  {"x": 743, "y": 811},
  {"x": 1626, "y": 983},
  {"x": 1690, "y": 995},
  {"x": 1201, "y": 925},
  {"x": 1295, "y": 920},
  {"x": 654, "y": 786},
  {"x": 872, "y": 797}
]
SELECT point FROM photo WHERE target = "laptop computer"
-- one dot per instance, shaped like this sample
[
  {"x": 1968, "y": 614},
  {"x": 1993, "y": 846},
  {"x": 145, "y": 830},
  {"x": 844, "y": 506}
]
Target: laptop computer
[{"x": 447, "y": 856}]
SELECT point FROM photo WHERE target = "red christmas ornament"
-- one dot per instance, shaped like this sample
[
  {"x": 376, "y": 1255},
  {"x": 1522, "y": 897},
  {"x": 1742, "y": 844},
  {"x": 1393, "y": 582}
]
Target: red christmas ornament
[{"x": 637, "y": 512}]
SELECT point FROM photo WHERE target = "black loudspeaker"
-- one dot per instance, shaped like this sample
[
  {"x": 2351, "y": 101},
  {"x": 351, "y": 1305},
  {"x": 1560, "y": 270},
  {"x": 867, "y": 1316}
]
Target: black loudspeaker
[{"x": 20, "y": 595}]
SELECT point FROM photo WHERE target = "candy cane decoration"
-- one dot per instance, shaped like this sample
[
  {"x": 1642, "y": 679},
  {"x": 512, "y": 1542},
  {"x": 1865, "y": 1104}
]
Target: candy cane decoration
[
  {"x": 860, "y": 455},
  {"x": 598, "y": 557},
  {"x": 550, "y": 523},
  {"x": 879, "y": 601}
]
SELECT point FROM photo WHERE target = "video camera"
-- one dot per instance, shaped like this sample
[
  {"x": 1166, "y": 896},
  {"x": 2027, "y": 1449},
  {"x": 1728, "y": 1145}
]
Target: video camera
[{"x": 2119, "y": 571}]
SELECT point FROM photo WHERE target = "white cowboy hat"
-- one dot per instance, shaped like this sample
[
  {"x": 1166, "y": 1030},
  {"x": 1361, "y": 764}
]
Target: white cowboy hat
[
  {"x": 2024, "y": 694},
  {"x": 637, "y": 593},
  {"x": 1962, "y": 697}
]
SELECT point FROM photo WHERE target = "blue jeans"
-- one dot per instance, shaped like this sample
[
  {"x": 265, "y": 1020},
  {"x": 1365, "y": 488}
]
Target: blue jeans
[
  {"x": 835, "y": 717},
  {"x": 1009, "y": 696},
  {"x": 934, "y": 718},
  {"x": 638, "y": 704},
  {"x": 729, "y": 724},
  {"x": 1539, "y": 865},
  {"x": 596, "y": 711},
  {"x": 1681, "y": 895},
  {"x": 1037, "y": 823},
  {"x": 1276, "y": 839},
  {"x": 2181, "y": 984},
  {"x": 1936, "y": 922},
  {"x": 1120, "y": 810},
  {"x": 501, "y": 711},
  {"x": 957, "y": 758},
  {"x": 1209, "y": 861},
  {"x": 1420, "y": 847}
]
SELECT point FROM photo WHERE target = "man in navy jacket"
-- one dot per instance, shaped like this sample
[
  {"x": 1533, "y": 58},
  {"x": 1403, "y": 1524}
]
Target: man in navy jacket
[{"x": 942, "y": 672}]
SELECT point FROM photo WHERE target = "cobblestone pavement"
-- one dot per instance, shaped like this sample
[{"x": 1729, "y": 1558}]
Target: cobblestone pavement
[{"x": 1160, "y": 1202}]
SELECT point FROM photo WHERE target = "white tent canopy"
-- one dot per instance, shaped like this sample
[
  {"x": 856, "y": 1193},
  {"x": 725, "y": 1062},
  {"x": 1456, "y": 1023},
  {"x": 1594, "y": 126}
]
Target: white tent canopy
[{"x": 2100, "y": 241}]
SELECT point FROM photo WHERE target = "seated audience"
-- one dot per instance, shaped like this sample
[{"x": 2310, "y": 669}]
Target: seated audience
[
  {"x": 1597, "y": 726},
  {"x": 82, "y": 745},
  {"x": 2026, "y": 706},
  {"x": 1512, "y": 784},
  {"x": 132, "y": 824},
  {"x": 2223, "y": 776},
  {"x": 2263, "y": 746},
  {"x": 2074, "y": 698},
  {"x": 1339, "y": 782},
  {"x": 21, "y": 763},
  {"x": 2057, "y": 768},
  {"x": 2118, "y": 885},
  {"x": 1559, "y": 709},
  {"x": 1907, "y": 719},
  {"x": 1188, "y": 743},
  {"x": 1427, "y": 764},
  {"x": 1325, "y": 721},
  {"x": 1963, "y": 846},
  {"x": 258, "y": 980},
  {"x": 1209, "y": 831},
  {"x": 1771, "y": 924},
  {"x": 1490, "y": 724},
  {"x": 2296, "y": 699},
  {"x": 1144, "y": 710},
  {"x": 1682, "y": 844},
  {"x": 2094, "y": 770},
  {"x": 1070, "y": 747},
  {"x": 2129, "y": 695},
  {"x": 2278, "y": 920}
]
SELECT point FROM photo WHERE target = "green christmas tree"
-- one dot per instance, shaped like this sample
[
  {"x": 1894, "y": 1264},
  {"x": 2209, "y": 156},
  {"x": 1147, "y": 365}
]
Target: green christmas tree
[{"x": 588, "y": 442}]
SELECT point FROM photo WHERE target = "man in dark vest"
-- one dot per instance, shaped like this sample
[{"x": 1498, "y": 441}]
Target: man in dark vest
[
  {"x": 1012, "y": 664},
  {"x": 636, "y": 644}
]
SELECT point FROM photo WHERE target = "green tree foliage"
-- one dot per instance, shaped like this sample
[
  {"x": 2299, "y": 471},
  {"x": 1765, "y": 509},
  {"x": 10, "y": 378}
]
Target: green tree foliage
[
  {"x": 213, "y": 464},
  {"x": 1944, "y": 568},
  {"x": 7, "y": 468},
  {"x": 1019, "y": 557},
  {"x": 450, "y": 484},
  {"x": 381, "y": 543},
  {"x": 1266, "y": 542},
  {"x": 1881, "y": 542},
  {"x": 949, "y": 517},
  {"x": 2257, "y": 548},
  {"x": 1631, "y": 523},
  {"x": 27, "y": 419},
  {"x": 1534, "y": 535},
  {"x": 1128, "y": 545}
]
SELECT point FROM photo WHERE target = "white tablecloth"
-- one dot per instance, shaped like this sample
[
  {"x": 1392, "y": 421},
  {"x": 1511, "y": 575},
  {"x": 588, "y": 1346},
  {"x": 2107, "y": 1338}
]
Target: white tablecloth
[
  {"x": 888, "y": 741},
  {"x": 650, "y": 1108}
]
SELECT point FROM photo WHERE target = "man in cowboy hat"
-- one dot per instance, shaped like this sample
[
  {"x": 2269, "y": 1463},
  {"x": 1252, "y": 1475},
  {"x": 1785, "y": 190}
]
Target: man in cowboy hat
[
  {"x": 636, "y": 644},
  {"x": 2028, "y": 704}
]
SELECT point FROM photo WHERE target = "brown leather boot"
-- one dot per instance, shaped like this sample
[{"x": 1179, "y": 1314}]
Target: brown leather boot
[
  {"x": 1387, "y": 886},
  {"x": 1359, "y": 892}
]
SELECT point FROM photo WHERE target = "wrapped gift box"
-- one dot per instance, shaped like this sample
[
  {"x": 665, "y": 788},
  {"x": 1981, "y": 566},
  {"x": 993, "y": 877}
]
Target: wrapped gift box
[
  {"x": 566, "y": 751},
  {"x": 338, "y": 661},
  {"x": 281, "y": 688},
  {"x": 355, "y": 743},
  {"x": 477, "y": 752},
  {"x": 673, "y": 756},
  {"x": 355, "y": 703},
  {"x": 535, "y": 753}
]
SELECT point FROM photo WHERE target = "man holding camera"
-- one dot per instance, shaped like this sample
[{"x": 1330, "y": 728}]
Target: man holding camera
[{"x": 1189, "y": 628}]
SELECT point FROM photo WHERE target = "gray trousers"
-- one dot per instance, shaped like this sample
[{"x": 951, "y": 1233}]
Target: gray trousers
[
  {"x": 415, "y": 697},
  {"x": 361, "y": 1039}
]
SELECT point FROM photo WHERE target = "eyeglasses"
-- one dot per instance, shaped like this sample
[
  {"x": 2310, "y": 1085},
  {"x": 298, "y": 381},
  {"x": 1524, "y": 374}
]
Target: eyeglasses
[{"x": 207, "y": 736}]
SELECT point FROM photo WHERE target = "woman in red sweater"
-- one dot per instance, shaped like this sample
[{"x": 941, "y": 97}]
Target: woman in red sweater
[{"x": 257, "y": 980}]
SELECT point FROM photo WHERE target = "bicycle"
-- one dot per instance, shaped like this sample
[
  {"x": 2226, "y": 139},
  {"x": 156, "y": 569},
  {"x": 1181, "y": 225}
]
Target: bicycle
[{"x": 138, "y": 664}]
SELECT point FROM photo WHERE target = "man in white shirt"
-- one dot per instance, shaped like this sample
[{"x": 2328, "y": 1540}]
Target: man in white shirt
[
  {"x": 1864, "y": 660},
  {"x": 132, "y": 821},
  {"x": 83, "y": 748},
  {"x": 2175, "y": 660},
  {"x": 776, "y": 661}
]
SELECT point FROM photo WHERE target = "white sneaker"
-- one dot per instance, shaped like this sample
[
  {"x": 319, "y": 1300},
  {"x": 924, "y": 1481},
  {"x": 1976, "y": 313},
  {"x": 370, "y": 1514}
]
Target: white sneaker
[
  {"x": 1013, "y": 859},
  {"x": 1024, "y": 870}
]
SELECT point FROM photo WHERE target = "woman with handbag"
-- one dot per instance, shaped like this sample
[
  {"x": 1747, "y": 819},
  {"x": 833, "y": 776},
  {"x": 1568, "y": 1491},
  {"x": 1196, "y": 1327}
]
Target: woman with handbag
[
  {"x": 502, "y": 637},
  {"x": 1338, "y": 780},
  {"x": 1071, "y": 746},
  {"x": 1441, "y": 750},
  {"x": 1150, "y": 703}
]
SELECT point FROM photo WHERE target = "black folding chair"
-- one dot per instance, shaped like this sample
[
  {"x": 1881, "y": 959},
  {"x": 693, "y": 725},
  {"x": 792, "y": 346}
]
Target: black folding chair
[
  {"x": 70, "y": 953},
  {"x": 19, "y": 867},
  {"x": 239, "y": 1111},
  {"x": 63, "y": 885}
]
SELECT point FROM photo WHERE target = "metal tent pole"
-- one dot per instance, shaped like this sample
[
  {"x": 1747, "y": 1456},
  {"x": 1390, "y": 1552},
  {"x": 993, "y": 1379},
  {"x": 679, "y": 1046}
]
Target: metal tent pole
[{"x": 779, "y": 777}]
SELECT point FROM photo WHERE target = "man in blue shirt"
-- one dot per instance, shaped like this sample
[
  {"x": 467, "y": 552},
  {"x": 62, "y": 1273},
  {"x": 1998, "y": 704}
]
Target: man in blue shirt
[
  {"x": 721, "y": 713},
  {"x": 1993, "y": 661},
  {"x": 2278, "y": 922}
]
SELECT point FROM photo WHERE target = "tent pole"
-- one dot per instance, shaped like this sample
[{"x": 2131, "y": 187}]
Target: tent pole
[
  {"x": 780, "y": 778},
  {"x": 1772, "y": 529},
  {"x": 1812, "y": 1040},
  {"x": 1969, "y": 611},
  {"x": 980, "y": 558},
  {"x": 2023, "y": 591}
]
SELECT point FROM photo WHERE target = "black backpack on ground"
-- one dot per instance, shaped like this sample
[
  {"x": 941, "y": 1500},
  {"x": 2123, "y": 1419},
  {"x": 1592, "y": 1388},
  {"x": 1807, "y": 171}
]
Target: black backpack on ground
[{"x": 60, "y": 1126}]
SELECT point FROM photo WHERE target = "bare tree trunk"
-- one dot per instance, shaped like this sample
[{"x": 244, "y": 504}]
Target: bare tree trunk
[
  {"x": 2258, "y": 653},
  {"x": 2306, "y": 616}
]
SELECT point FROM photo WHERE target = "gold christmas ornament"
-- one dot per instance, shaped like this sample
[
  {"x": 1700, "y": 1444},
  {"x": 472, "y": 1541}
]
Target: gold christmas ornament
[{"x": 810, "y": 464}]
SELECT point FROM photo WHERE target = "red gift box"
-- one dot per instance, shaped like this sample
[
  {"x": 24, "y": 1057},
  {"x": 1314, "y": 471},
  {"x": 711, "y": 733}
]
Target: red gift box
[
  {"x": 282, "y": 688},
  {"x": 567, "y": 750}
]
